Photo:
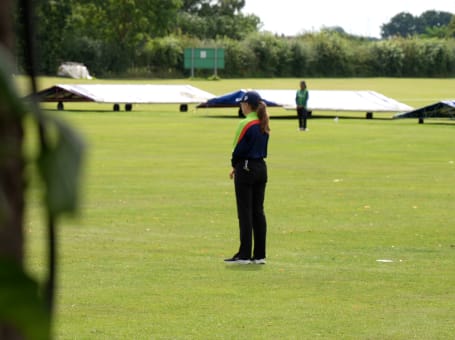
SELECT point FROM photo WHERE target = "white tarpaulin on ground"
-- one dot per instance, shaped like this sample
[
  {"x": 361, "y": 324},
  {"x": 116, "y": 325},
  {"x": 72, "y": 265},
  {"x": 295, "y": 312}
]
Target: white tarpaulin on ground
[
  {"x": 442, "y": 109},
  {"x": 120, "y": 93},
  {"x": 333, "y": 100},
  {"x": 319, "y": 100},
  {"x": 73, "y": 70}
]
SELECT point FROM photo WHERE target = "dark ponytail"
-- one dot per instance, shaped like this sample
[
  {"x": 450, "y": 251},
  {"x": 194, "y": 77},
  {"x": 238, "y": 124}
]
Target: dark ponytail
[{"x": 263, "y": 117}]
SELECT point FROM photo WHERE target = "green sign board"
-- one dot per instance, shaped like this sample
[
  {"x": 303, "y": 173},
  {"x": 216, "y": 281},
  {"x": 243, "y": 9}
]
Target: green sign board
[{"x": 204, "y": 58}]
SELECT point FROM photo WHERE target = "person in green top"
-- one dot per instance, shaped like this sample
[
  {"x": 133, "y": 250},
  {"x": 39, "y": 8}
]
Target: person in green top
[{"x": 301, "y": 100}]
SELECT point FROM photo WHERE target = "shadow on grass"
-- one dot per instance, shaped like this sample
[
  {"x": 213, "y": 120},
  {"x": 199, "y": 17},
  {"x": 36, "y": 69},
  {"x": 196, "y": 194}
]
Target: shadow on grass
[
  {"x": 244, "y": 267},
  {"x": 293, "y": 117},
  {"x": 340, "y": 117},
  {"x": 433, "y": 122},
  {"x": 81, "y": 111},
  {"x": 281, "y": 117}
]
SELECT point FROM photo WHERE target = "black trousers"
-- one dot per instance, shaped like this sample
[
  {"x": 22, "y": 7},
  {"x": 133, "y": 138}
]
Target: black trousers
[
  {"x": 250, "y": 182},
  {"x": 302, "y": 114}
]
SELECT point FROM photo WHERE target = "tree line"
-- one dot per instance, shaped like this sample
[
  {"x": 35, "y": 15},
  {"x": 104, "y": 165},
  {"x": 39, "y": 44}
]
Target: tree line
[
  {"x": 140, "y": 38},
  {"x": 323, "y": 54}
]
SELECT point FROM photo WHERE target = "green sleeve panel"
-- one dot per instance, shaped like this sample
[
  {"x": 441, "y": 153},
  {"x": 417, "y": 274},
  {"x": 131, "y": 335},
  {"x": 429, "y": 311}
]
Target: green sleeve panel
[{"x": 242, "y": 125}]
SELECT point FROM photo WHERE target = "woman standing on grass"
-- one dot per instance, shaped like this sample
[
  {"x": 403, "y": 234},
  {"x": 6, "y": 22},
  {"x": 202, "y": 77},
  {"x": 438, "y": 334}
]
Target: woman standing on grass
[
  {"x": 249, "y": 172},
  {"x": 301, "y": 100}
]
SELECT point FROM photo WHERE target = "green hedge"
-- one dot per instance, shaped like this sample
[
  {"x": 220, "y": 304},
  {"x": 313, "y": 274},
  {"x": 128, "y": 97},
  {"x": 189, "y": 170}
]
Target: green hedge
[{"x": 323, "y": 54}]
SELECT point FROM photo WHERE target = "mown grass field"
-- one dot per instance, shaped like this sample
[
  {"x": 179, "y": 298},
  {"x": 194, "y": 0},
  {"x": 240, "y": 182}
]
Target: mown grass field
[{"x": 144, "y": 259}]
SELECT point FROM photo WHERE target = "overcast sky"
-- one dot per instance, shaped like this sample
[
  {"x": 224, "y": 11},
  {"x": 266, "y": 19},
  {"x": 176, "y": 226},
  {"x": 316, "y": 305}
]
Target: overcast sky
[{"x": 359, "y": 17}]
